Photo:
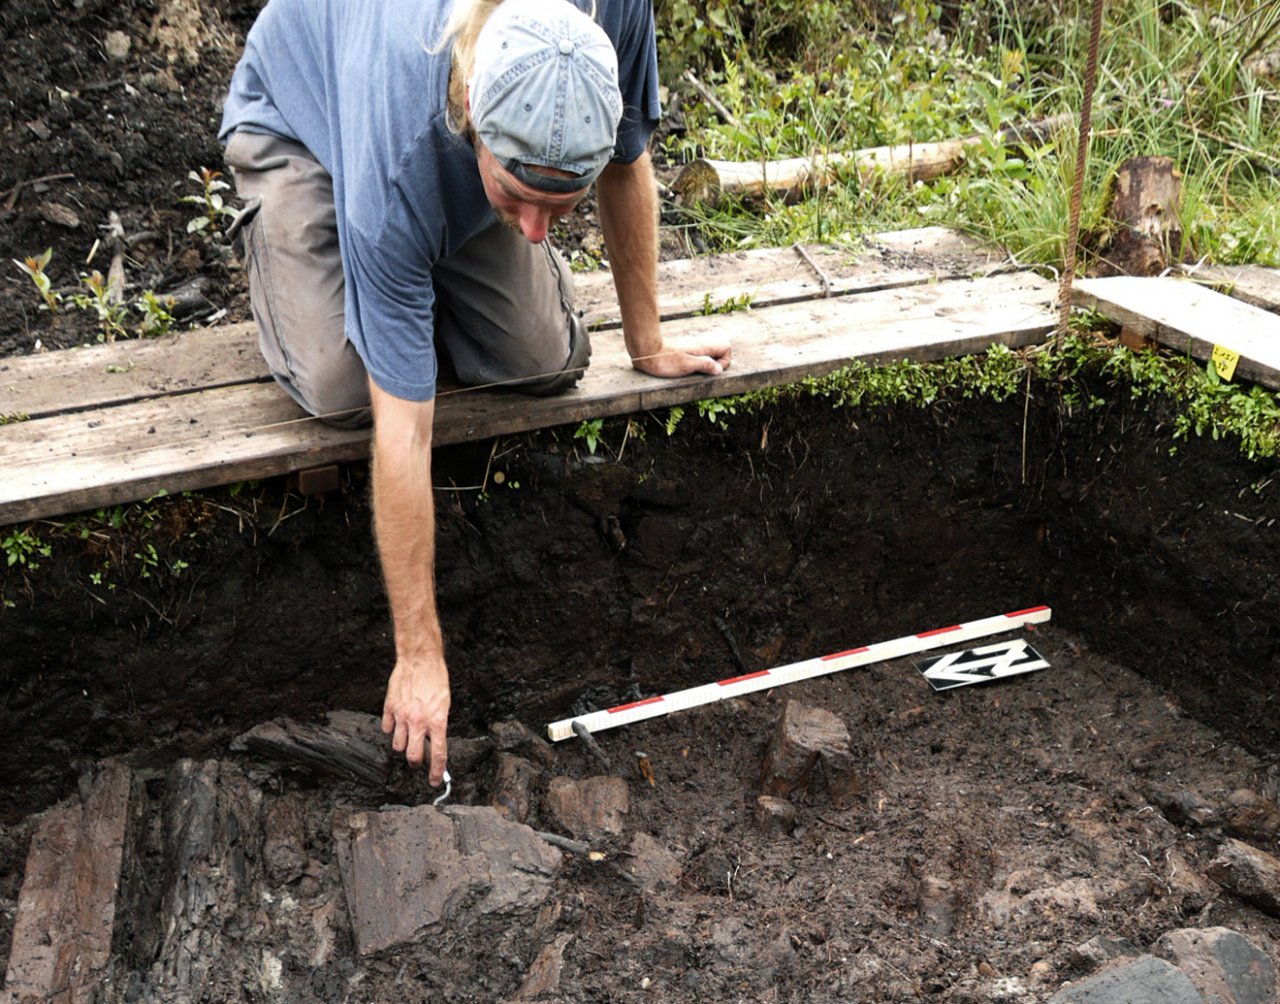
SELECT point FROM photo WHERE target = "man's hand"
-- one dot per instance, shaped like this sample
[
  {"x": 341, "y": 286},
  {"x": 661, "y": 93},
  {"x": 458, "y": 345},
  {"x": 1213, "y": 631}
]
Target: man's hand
[
  {"x": 628, "y": 204},
  {"x": 416, "y": 709},
  {"x": 677, "y": 360}
]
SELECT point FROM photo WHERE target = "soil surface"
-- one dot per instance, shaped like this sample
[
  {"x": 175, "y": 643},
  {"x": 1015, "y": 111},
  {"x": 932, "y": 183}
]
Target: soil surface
[{"x": 994, "y": 829}]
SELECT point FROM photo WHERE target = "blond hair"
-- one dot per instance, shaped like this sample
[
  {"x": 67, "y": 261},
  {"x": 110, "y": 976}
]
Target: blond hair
[{"x": 461, "y": 31}]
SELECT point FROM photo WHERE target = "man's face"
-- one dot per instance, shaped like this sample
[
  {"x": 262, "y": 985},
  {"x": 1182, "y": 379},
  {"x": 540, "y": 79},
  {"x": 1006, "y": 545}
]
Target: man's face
[{"x": 526, "y": 210}]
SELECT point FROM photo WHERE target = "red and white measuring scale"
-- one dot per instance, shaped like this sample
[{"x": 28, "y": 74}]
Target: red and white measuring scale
[{"x": 736, "y": 686}]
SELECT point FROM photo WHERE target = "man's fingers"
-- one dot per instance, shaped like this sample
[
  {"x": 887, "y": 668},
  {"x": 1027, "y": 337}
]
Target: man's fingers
[
  {"x": 711, "y": 359},
  {"x": 417, "y": 738},
  {"x": 439, "y": 757},
  {"x": 388, "y": 721}
]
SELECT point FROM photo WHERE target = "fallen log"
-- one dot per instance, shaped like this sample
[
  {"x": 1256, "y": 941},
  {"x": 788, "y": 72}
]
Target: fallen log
[{"x": 707, "y": 181}]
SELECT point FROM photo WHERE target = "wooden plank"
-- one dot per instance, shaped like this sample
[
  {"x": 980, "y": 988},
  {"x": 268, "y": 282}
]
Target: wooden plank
[
  {"x": 1190, "y": 318},
  {"x": 781, "y": 345},
  {"x": 199, "y": 440},
  {"x": 1251, "y": 283},
  {"x": 50, "y": 383},
  {"x": 66, "y": 909},
  {"x": 770, "y": 276},
  {"x": 134, "y": 370},
  {"x": 75, "y": 462}
]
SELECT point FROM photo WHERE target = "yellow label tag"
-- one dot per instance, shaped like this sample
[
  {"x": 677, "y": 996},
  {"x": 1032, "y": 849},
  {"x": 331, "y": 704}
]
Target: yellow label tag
[{"x": 1224, "y": 361}]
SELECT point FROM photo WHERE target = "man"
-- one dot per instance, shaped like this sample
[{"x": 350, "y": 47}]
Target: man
[{"x": 401, "y": 163}]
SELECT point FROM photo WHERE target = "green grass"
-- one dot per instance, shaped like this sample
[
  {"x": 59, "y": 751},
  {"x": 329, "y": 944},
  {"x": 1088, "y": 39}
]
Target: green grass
[{"x": 1175, "y": 80}]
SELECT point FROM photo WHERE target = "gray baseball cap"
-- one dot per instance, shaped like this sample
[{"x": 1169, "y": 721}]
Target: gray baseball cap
[{"x": 545, "y": 93}]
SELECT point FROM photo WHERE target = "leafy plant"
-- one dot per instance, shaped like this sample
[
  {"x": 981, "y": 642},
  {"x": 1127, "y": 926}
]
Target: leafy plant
[
  {"x": 157, "y": 316},
  {"x": 214, "y": 209},
  {"x": 35, "y": 267},
  {"x": 717, "y": 409},
  {"x": 23, "y": 548},
  {"x": 104, "y": 299},
  {"x": 589, "y": 432}
]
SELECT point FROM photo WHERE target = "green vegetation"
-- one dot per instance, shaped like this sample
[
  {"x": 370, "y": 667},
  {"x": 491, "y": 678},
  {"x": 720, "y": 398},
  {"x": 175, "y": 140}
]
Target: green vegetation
[
  {"x": 589, "y": 432},
  {"x": 1085, "y": 373},
  {"x": 23, "y": 548},
  {"x": 730, "y": 306},
  {"x": 1185, "y": 79},
  {"x": 35, "y": 267},
  {"x": 102, "y": 298},
  {"x": 213, "y": 211}
]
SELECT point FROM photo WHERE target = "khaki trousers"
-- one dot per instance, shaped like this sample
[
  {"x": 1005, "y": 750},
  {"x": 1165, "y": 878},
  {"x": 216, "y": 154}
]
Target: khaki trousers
[{"x": 504, "y": 307}]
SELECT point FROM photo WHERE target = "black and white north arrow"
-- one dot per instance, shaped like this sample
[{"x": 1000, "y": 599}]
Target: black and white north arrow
[{"x": 980, "y": 665}]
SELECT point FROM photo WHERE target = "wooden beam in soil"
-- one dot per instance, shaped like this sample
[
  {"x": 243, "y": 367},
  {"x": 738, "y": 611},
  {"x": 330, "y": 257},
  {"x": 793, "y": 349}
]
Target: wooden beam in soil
[
  {"x": 66, "y": 908},
  {"x": 194, "y": 885},
  {"x": 350, "y": 746},
  {"x": 1190, "y": 318}
]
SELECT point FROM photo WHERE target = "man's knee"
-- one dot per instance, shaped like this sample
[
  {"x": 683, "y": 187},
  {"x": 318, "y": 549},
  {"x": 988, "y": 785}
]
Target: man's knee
[
  {"x": 334, "y": 390},
  {"x": 548, "y": 383}
]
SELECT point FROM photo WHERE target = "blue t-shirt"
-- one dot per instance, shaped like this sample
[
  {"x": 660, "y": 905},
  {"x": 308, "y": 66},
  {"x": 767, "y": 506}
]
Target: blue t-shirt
[{"x": 362, "y": 86}]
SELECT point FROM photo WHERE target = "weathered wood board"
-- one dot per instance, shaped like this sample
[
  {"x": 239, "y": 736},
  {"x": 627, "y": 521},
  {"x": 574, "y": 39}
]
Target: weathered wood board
[
  {"x": 71, "y": 462},
  {"x": 781, "y": 345},
  {"x": 120, "y": 422},
  {"x": 77, "y": 380},
  {"x": 67, "y": 906},
  {"x": 1251, "y": 283},
  {"x": 1189, "y": 317}
]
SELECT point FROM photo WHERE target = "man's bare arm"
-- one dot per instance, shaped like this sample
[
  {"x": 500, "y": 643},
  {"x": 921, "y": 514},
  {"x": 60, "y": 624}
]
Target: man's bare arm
[
  {"x": 417, "y": 702},
  {"x": 628, "y": 199}
]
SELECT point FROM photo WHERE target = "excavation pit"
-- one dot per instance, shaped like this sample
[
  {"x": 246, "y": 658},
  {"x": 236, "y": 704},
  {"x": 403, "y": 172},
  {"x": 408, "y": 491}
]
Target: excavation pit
[{"x": 1004, "y": 840}]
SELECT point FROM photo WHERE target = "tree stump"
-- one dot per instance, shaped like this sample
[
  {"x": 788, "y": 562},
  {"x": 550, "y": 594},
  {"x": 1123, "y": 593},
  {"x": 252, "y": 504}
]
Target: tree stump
[{"x": 1142, "y": 232}]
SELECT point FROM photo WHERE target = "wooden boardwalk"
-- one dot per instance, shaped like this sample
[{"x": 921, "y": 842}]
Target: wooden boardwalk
[
  {"x": 1189, "y": 316},
  {"x": 120, "y": 422}
]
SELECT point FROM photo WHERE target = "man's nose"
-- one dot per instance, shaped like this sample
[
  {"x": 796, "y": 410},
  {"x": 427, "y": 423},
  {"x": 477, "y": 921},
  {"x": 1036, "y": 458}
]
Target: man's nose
[{"x": 535, "y": 221}]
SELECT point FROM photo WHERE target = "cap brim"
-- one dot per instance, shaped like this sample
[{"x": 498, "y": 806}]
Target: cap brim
[{"x": 558, "y": 184}]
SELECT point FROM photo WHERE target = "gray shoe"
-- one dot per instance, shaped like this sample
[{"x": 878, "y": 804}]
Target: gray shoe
[{"x": 574, "y": 368}]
